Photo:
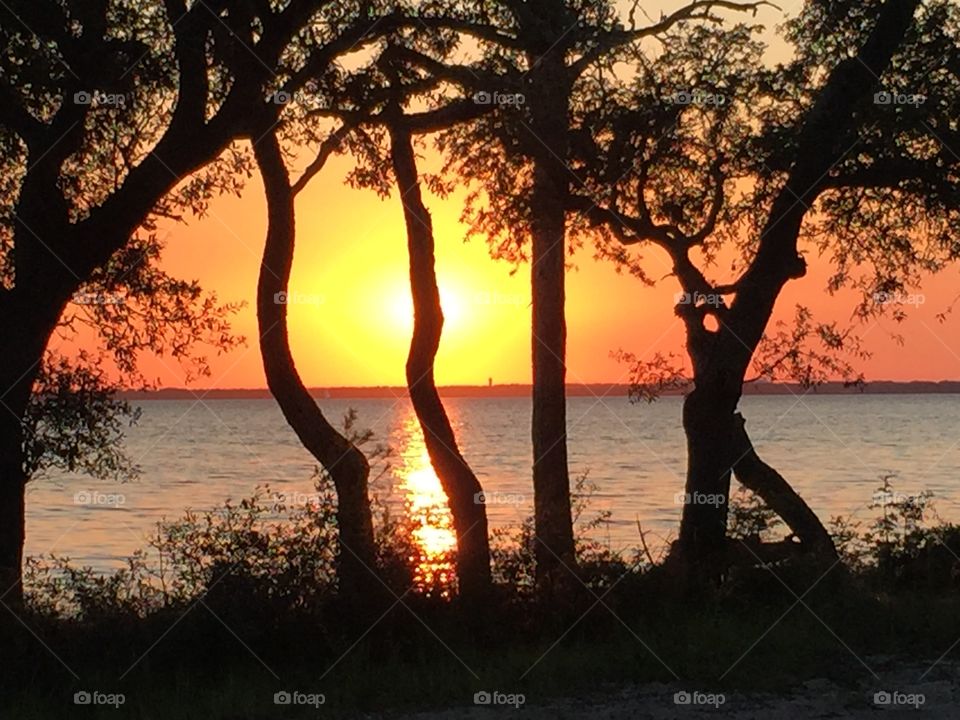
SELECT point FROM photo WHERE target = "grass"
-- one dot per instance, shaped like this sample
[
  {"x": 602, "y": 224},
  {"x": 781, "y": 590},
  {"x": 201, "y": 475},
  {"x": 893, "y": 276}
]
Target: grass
[
  {"x": 201, "y": 669},
  {"x": 193, "y": 642}
]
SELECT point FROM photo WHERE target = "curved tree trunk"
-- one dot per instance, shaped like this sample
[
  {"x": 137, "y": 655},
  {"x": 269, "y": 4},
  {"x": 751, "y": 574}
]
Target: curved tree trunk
[
  {"x": 771, "y": 487},
  {"x": 347, "y": 465},
  {"x": 461, "y": 486}
]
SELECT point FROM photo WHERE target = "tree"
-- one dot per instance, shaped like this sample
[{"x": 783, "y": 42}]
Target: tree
[
  {"x": 346, "y": 464},
  {"x": 810, "y": 142},
  {"x": 460, "y": 484},
  {"x": 112, "y": 116},
  {"x": 374, "y": 128},
  {"x": 517, "y": 158}
]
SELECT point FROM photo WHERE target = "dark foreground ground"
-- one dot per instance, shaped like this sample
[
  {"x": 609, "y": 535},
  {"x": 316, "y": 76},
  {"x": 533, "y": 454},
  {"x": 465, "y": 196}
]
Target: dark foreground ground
[{"x": 904, "y": 690}]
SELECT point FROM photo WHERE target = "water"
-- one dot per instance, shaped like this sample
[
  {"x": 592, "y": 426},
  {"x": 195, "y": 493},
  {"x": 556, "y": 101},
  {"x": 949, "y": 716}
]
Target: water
[{"x": 833, "y": 449}]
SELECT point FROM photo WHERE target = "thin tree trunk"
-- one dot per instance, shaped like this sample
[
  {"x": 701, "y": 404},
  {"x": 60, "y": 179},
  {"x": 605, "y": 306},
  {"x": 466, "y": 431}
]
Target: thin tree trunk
[
  {"x": 771, "y": 487},
  {"x": 345, "y": 463},
  {"x": 555, "y": 549},
  {"x": 461, "y": 486}
]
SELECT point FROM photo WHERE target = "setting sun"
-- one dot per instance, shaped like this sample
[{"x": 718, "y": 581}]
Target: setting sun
[
  {"x": 695, "y": 263},
  {"x": 399, "y": 308}
]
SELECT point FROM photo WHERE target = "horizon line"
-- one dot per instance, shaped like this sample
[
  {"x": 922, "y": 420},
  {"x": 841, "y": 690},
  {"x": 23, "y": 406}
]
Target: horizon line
[{"x": 753, "y": 388}]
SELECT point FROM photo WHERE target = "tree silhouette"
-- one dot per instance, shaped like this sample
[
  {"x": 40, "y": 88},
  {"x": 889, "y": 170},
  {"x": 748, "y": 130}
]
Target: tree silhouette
[
  {"x": 850, "y": 174},
  {"x": 113, "y": 116},
  {"x": 346, "y": 464},
  {"x": 516, "y": 160},
  {"x": 460, "y": 484}
]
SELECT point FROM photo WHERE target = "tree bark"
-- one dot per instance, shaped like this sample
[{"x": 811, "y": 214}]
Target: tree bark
[
  {"x": 555, "y": 549},
  {"x": 345, "y": 463},
  {"x": 460, "y": 484}
]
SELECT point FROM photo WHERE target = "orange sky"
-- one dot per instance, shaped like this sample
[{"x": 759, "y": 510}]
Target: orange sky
[{"x": 353, "y": 325}]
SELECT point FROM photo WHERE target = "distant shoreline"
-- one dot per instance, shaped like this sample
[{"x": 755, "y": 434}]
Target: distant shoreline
[{"x": 883, "y": 387}]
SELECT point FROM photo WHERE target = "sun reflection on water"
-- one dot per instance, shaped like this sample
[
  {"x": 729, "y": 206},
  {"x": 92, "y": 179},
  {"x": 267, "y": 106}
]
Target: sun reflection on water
[{"x": 426, "y": 505}]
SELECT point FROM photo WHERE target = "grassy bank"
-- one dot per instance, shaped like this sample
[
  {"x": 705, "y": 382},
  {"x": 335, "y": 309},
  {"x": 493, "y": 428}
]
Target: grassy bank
[{"x": 243, "y": 606}]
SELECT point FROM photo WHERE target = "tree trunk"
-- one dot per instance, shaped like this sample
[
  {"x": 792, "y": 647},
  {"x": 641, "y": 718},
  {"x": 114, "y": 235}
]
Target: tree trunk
[
  {"x": 703, "y": 524},
  {"x": 717, "y": 442},
  {"x": 27, "y": 319},
  {"x": 12, "y": 508},
  {"x": 345, "y": 463},
  {"x": 555, "y": 550},
  {"x": 720, "y": 369},
  {"x": 771, "y": 487},
  {"x": 461, "y": 486}
]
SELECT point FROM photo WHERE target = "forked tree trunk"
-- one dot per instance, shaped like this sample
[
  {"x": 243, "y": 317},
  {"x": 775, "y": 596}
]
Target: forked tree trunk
[
  {"x": 771, "y": 487},
  {"x": 712, "y": 429},
  {"x": 717, "y": 442},
  {"x": 461, "y": 486},
  {"x": 345, "y": 463},
  {"x": 555, "y": 549}
]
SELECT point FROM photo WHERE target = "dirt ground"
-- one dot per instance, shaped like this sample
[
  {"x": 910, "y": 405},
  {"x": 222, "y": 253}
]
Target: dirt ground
[{"x": 902, "y": 690}]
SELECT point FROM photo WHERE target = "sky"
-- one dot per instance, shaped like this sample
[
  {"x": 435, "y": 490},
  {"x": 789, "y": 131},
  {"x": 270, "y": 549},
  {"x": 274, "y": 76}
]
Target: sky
[
  {"x": 350, "y": 317},
  {"x": 350, "y": 311}
]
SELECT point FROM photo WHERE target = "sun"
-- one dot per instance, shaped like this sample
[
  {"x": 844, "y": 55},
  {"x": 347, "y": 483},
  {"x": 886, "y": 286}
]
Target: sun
[{"x": 400, "y": 310}]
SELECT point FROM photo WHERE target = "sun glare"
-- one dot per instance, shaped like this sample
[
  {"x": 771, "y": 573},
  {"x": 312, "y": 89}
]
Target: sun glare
[{"x": 400, "y": 310}]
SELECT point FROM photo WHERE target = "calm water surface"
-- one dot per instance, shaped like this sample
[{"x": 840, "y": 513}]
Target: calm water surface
[{"x": 197, "y": 454}]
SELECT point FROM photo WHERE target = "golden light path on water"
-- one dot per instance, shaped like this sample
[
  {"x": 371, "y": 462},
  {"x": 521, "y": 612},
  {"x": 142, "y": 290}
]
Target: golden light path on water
[{"x": 426, "y": 505}]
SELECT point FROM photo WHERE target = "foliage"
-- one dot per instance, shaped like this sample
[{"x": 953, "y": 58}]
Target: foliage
[
  {"x": 75, "y": 422},
  {"x": 751, "y": 519},
  {"x": 599, "y": 566}
]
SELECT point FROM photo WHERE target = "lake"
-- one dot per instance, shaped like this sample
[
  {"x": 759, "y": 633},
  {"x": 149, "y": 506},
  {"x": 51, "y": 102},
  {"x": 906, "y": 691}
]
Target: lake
[{"x": 197, "y": 453}]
